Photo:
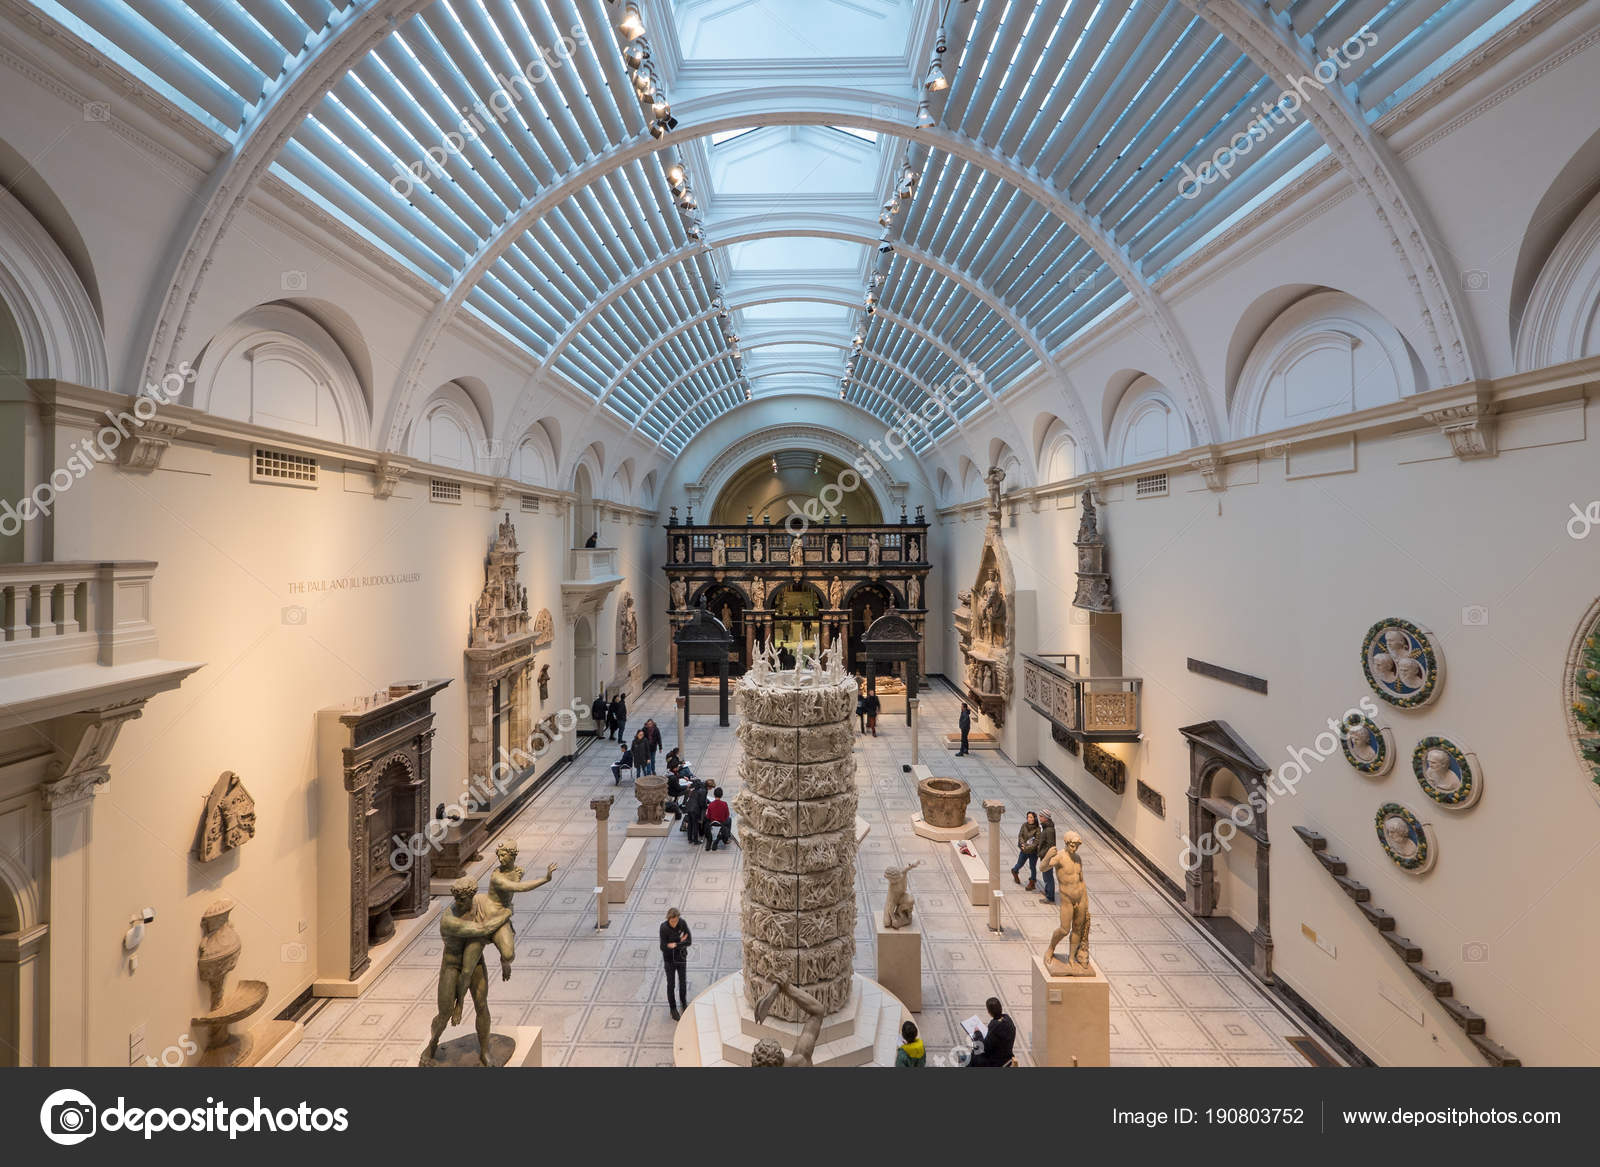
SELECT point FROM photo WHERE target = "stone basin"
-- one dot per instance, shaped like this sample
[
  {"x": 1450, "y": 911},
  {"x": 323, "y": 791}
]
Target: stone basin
[{"x": 944, "y": 801}]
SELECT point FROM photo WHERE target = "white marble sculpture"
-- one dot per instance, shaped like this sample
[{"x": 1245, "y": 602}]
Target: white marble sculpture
[
  {"x": 719, "y": 552},
  {"x": 1074, "y": 899},
  {"x": 874, "y": 550},
  {"x": 899, "y": 905},
  {"x": 797, "y": 813}
]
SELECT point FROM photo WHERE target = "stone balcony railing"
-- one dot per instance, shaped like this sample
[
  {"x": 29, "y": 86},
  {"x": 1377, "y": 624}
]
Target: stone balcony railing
[
  {"x": 591, "y": 563},
  {"x": 1089, "y": 708},
  {"x": 58, "y": 615}
]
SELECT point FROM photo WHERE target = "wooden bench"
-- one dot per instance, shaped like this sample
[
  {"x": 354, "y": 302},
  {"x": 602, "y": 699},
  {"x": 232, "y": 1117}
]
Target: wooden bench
[
  {"x": 624, "y": 871},
  {"x": 973, "y": 871}
]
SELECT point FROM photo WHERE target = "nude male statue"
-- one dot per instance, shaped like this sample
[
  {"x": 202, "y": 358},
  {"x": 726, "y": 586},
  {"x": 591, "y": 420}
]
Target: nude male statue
[
  {"x": 460, "y": 924},
  {"x": 504, "y": 882},
  {"x": 1074, "y": 895},
  {"x": 768, "y": 1052}
]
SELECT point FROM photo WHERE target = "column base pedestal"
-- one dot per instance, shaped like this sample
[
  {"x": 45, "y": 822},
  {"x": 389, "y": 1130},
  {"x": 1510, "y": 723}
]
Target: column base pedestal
[
  {"x": 719, "y": 1028},
  {"x": 900, "y": 963}
]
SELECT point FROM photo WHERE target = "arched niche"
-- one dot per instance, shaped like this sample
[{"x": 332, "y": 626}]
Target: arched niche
[
  {"x": 1561, "y": 322},
  {"x": 277, "y": 367},
  {"x": 1325, "y": 355},
  {"x": 56, "y": 323},
  {"x": 783, "y": 482},
  {"x": 450, "y": 431},
  {"x": 533, "y": 460},
  {"x": 1147, "y": 424},
  {"x": 1056, "y": 450}
]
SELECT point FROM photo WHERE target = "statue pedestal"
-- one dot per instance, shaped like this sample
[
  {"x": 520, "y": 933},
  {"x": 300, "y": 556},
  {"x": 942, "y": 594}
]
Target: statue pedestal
[
  {"x": 516, "y": 1045},
  {"x": 648, "y": 830},
  {"x": 1071, "y": 1018},
  {"x": 920, "y": 826},
  {"x": 900, "y": 963},
  {"x": 719, "y": 1028}
]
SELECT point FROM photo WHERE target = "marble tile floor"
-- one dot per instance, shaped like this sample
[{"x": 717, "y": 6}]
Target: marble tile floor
[{"x": 1177, "y": 1000}]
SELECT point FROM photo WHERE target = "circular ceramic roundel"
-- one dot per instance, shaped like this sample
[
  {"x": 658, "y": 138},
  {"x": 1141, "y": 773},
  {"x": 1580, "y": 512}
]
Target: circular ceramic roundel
[
  {"x": 1581, "y": 693},
  {"x": 1404, "y": 838},
  {"x": 1402, "y": 663},
  {"x": 1366, "y": 747},
  {"x": 1446, "y": 773}
]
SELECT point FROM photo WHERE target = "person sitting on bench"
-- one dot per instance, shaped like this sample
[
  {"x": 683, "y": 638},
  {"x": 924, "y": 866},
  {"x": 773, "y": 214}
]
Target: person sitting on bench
[
  {"x": 623, "y": 763},
  {"x": 719, "y": 821}
]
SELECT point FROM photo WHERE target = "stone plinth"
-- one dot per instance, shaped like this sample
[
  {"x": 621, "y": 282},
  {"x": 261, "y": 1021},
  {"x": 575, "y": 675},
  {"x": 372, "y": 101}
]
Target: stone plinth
[
  {"x": 1071, "y": 1018},
  {"x": 517, "y": 1045},
  {"x": 720, "y": 1028},
  {"x": 900, "y": 964},
  {"x": 797, "y": 828}
]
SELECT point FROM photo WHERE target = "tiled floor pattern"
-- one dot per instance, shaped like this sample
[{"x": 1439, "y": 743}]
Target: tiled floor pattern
[{"x": 1176, "y": 1000}]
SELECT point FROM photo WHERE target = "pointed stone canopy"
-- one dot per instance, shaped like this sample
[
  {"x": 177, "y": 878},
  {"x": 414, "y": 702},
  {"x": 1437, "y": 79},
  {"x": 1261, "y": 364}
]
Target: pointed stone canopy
[{"x": 1094, "y": 581}]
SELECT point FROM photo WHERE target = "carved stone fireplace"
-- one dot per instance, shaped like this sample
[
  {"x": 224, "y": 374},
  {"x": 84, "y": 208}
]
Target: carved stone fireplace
[{"x": 373, "y": 777}]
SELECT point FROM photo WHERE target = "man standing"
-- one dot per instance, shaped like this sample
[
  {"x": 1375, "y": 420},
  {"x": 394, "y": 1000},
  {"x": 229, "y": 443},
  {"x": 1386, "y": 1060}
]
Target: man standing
[
  {"x": 1047, "y": 843},
  {"x": 652, "y": 733},
  {"x": 598, "y": 710},
  {"x": 675, "y": 941},
  {"x": 695, "y": 809},
  {"x": 619, "y": 710},
  {"x": 965, "y": 724}
]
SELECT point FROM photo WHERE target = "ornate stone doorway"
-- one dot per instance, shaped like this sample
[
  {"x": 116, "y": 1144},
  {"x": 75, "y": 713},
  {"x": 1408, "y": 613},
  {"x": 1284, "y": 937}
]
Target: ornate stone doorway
[
  {"x": 728, "y": 604},
  {"x": 865, "y": 604},
  {"x": 583, "y": 660},
  {"x": 1228, "y": 801}
]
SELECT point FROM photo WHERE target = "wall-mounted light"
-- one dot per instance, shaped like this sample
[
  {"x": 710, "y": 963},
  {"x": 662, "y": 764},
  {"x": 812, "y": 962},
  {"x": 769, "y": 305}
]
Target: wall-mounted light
[
  {"x": 924, "y": 116},
  {"x": 935, "y": 80}
]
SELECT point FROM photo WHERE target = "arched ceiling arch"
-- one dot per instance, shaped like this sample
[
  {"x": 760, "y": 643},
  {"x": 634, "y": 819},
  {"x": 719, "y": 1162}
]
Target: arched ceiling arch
[{"x": 1061, "y": 135}]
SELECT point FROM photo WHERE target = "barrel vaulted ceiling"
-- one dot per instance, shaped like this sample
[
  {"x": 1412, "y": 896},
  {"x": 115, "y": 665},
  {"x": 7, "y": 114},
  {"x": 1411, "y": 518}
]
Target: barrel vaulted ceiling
[{"x": 990, "y": 209}]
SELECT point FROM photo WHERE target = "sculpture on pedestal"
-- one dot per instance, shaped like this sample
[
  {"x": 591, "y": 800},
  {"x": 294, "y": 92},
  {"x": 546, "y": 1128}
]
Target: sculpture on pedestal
[
  {"x": 460, "y": 925},
  {"x": 651, "y": 791},
  {"x": 768, "y": 1053},
  {"x": 1074, "y": 898},
  {"x": 874, "y": 550},
  {"x": 627, "y": 624},
  {"x": 679, "y": 594},
  {"x": 719, "y": 552},
  {"x": 899, "y": 906},
  {"x": 1094, "y": 581}
]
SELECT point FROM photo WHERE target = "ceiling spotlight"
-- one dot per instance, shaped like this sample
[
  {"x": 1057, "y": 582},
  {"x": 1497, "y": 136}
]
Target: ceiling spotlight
[
  {"x": 632, "y": 24},
  {"x": 663, "y": 111},
  {"x": 657, "y": 130},
  {"x": 885, "y": 248},
  {"x": 677, "y": 176},
  {"x": 924, "y": 116},
  {"x": 636, "y": 54},
  {"x": 936, "y": 79}
]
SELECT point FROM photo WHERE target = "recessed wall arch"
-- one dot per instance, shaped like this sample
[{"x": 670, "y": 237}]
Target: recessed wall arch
[
  {"x": 1326, "y": 354},
  {"x": 56, "y": 319},
  {"x": 450, "y": 431},
  {"x": 1148, "y": 424},
  {"x": 275, "y": 366},
  {"x": 1562, "y": 320}
]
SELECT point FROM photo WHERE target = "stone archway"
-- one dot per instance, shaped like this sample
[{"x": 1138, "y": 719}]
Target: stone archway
[
  {"x": 585, "y": 679},
  {"x": 1215, "y": 750},
  {"x": 23, "y": 1021}
]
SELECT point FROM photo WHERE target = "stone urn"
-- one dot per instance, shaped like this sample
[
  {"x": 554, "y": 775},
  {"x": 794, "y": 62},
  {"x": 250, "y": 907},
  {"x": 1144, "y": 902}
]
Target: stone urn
[
  {"x": 944, "y": 801},
  {"x": 219, "y": 955},
  {"x": 651, "y": 791}
]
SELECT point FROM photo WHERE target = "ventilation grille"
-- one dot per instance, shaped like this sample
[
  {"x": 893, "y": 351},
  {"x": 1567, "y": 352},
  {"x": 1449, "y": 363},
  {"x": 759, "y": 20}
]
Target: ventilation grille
[
  {"x": 282, "y": 469},
  {"x": 1150, "y": 486},
  {"x": 530, "y": 503},
  {"x": 439, "y": 490}
]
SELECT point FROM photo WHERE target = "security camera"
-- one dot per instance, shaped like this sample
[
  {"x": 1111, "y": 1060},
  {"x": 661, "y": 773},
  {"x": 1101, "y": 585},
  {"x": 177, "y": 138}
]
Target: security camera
[{"x": 148, "y": 915}]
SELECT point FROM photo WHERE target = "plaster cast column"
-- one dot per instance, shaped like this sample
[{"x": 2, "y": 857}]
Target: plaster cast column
[
  {"x": 602, "y": 858},
  {"x": 69, "y": 813},
  {"x": 913, "y": 706},
  {"x": 683, "y": 724},
  {"x": 995, "y": 809}
]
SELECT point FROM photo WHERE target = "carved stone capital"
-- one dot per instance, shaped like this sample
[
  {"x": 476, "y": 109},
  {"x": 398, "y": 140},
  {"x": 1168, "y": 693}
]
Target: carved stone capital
[
  {"x": 1468, "y": 421},
  {"x": 78, "y": 786},
  {"x": 994, "y": 808},
  {"x": 1209, "y": 466},
  {"x": 146, "y": 444},
  {"x": 602, "y": 807},
  {"x": 389, "y": 471}
]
